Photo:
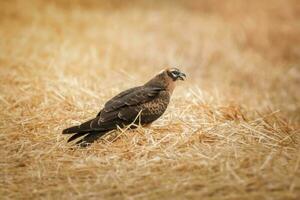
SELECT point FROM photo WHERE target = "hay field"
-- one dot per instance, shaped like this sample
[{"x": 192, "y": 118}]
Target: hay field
[{"x": 230, "y": 132}]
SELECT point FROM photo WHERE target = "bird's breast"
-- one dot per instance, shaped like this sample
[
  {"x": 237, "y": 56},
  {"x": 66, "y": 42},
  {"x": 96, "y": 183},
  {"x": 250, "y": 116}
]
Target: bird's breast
[{"x": 152, "y": 110}]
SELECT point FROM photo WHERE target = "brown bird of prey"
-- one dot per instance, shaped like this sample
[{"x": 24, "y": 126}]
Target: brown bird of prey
[{"x": 136, "y": 106}]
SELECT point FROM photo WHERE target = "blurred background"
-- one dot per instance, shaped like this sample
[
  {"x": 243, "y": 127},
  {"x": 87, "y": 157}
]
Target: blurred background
[
  {"x": 247, "y": 51},
  {"x": 231, "y": 129}
]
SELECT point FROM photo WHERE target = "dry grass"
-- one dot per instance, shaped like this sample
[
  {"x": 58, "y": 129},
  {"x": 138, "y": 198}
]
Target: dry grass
[{"x": 231, "y": 131}]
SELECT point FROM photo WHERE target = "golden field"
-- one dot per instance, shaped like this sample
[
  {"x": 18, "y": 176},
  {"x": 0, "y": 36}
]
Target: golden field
[{"x": 230, "y": 132}]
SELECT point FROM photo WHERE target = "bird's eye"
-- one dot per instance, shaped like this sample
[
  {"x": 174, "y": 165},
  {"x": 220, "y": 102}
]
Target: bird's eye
[{"x": 175, "y": 73}]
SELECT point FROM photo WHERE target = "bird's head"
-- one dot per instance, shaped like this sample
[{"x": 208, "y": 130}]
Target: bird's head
[
  {"x": 175, "y": 74},
  {"x": 166, "y": 79}
]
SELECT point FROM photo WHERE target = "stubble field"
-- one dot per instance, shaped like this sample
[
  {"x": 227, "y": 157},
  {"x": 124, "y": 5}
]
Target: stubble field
[{"x": 230, "y": 132}]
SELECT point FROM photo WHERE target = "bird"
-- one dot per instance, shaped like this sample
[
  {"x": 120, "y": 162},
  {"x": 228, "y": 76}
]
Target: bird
[{"x": 136, "y": 106}]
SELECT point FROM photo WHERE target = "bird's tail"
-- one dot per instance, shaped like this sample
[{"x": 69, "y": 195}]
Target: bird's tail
[
  {"x": 89, "y": 138},
  {"x": 85, "y": 131},
  {"x": 73, "y": 129},
  {"x": 88, "y": 135}
]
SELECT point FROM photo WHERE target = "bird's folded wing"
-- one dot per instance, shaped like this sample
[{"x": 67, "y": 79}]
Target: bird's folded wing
[
  {"x": 136, "y": 96},
  {"x": 120, "y": 95},
  {"x": 121, "y": 109}
]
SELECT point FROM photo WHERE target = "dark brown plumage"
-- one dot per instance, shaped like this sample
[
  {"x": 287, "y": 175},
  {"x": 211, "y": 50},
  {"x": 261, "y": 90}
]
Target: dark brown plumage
[{"x": 139, "y": 105}]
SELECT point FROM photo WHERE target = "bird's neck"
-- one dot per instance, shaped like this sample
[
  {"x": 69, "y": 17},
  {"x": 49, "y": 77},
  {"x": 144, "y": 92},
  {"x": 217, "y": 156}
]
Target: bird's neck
[
  {"x": 170, "y": 86},
  {"x": 162, "y": 82}
]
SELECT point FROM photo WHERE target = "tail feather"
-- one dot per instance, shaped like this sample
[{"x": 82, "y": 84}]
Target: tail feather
[
  {"x": 76, "y": 135},
  {"x": 90, "y": 138},
  {"x": 84, "y": 127},
  {"x": 73, "y": 129},
  {"x": 84, "y": 130}
]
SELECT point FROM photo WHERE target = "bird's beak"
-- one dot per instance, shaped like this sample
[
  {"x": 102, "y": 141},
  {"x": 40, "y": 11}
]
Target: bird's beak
[{"x": 182, "y": 76}]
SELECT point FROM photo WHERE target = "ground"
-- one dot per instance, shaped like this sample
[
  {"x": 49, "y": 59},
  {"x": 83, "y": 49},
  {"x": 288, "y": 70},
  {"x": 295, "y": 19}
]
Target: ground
[{"x": 230, "y": 132}]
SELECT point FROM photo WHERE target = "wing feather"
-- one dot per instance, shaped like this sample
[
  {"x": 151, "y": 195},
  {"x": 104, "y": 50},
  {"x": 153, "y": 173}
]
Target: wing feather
[
  {"x": 137, "y": 96},
  {"x": 120, "y": 110}
]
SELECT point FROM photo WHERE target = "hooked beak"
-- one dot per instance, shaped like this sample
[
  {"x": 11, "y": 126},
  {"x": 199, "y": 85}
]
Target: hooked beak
[{"x": 182, "y": 76}]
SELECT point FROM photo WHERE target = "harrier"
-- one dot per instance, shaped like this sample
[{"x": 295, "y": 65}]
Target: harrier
[{"x": 136, "y": 106}]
